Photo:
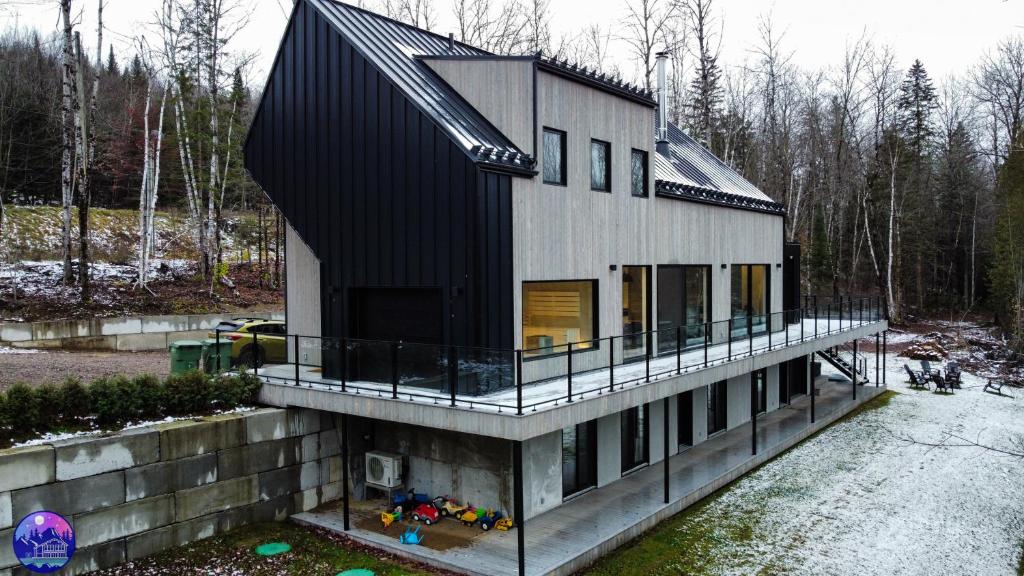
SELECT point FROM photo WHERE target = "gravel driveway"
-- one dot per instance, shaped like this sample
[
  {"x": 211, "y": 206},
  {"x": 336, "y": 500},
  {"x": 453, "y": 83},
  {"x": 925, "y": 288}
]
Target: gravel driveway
[{"x": 46, "y": 366}]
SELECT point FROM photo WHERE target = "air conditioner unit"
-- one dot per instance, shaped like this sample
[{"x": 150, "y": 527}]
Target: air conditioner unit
[{"x": 383, "y": 469}]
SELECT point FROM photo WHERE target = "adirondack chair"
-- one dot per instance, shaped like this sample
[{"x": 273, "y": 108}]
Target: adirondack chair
[
  {"x": 916, "y": 380},
  {"x": 994, "y": 387},
  {"x": 941, "y": 385},
  {"x": 927, "y": 370},
  {"x": 953, "y": 374}
]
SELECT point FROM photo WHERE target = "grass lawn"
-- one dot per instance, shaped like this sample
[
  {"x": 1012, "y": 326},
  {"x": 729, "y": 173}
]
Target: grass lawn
[
  {"x": 691, "y": 542},
  {"x": 314, "y": 553}
]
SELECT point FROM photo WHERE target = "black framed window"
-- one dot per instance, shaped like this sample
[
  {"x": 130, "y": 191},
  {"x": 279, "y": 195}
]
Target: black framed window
[
  {"x": 636, "y": 310},
  {"x": 717, "y": 406},
  {"x": 579, "y": 458},
  {"x": 684, "y": 299},
  {"x": 554, "y": 157},
  {"x": 750, "y": 298},
  {"x": 558, "y": 313},
  {"x": 635, "y": 430},
  {"x": 600, "y": 166},
  {"x": 638, "y": 172}
]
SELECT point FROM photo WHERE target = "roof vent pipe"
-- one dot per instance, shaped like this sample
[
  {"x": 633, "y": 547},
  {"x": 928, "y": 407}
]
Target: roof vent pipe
[
  {"x": 662, "y": 135},
  {"x": 451, "y": 41}
]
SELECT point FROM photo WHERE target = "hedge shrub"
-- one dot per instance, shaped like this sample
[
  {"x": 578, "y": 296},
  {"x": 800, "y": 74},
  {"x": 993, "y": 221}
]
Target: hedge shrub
[
  {"x": 114, "y": 401},
  {"x": 21, "y": 406}
]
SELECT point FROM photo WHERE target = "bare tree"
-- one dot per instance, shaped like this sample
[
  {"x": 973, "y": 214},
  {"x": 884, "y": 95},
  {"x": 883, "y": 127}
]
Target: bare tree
[
  {"x": 67, "y": 113},
  {"x": 999, "y": 83},
  {"x": 502, "y": 29},
  {"x": 419, "y": 13},
  {"x": 705, "y": 87},
  {"x": 646, "y": 26}
]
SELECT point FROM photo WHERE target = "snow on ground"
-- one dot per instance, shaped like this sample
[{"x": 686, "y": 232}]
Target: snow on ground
[
  {"x": 9, "y": 350},
  {"x": 33, "y": 278},
  {"x": 861, "y": 498},
  {"x": 51, "y": 437}
]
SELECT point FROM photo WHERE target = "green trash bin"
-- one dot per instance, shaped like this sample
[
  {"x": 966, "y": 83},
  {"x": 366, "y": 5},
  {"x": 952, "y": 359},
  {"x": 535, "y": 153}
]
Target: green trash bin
[
  {"x": 217, "y": 360},
  {"x": 185, "y": 355}
]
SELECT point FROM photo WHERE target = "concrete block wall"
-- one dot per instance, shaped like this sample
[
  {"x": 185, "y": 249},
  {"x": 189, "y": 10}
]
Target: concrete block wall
[
  {"x": 126, "y": 334},
  {"x": 141, "y": 491}
]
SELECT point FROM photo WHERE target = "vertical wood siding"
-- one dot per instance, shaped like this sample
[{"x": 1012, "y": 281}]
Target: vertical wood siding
[{"x": 377, "y": 191}]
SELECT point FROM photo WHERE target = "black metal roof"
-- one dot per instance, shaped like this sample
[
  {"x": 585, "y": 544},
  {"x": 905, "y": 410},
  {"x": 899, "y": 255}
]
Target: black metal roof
[
  {"x": 392, "y": 47},
  {"x": 606, "y": 82},
  {"x": 691, "y": 172}
]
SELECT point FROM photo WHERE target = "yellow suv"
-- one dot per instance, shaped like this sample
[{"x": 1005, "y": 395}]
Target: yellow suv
[{"x": 271, "y": 341}]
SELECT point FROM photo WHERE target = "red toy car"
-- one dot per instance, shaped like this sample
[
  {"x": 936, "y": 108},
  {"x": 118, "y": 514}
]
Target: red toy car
[{"x": 427, "y": 513}]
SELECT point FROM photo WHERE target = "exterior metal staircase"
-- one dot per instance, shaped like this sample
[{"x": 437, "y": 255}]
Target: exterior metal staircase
[{"x": 848, "y": 363}]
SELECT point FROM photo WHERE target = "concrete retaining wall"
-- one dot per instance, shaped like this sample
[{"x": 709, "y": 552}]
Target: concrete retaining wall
[
  {"x": 138, "y": 492},
  {"x": 130, "y": 334}
]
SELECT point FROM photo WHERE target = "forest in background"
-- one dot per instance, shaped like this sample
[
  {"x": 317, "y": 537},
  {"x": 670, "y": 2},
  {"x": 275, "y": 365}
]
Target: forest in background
[{"x": 894, "y": 182}]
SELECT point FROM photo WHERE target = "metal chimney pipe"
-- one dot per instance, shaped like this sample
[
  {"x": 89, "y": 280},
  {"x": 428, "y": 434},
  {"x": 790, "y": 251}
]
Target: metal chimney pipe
[
  {"x": 662, "y": 131},
  {"x": 451, "y": 42}
]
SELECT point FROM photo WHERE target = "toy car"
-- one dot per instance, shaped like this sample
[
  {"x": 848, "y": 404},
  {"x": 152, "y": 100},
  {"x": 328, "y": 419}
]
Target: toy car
[
  {"x": 489, "y": 519},
  {"x": 410, "y": 500},
  {"x": 470, "y": 516},
  {"x": 449, "y": 507},
  {"x": 504, "y": 524},
  {"x": 427, "y": 513}
]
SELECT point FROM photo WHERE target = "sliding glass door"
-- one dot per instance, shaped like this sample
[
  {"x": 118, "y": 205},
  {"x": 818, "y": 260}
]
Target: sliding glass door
[
  {"x": 683, "y": 301},
  {"x": 579, "y": 458},
  {"x": 636, "y": 297},
  {"x": 749, "y": 283},
  {"x": 717, "y": 407},
  {"x": 635, "y": 436}
]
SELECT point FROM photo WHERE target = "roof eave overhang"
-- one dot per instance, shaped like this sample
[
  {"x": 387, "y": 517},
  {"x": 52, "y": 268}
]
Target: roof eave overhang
[{"x": 676, "y": 191}]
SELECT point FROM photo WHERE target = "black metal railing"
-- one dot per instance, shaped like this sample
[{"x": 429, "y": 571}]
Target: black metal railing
[{"x": 473, "y": 377}]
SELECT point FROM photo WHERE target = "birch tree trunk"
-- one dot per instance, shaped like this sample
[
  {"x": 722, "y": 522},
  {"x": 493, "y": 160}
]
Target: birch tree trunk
[
  {"x": 68, "y": 138},
  {"x": 143, "y": 270},
  {"x": 894, "y": 310},
  {"x": 84, "y": 169},
  {"x": 155, "y": 188}
]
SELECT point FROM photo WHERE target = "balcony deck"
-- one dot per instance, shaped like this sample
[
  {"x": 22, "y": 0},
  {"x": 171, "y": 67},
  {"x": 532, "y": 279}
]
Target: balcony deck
[
  {"x": 573, "y": 535},
  {"x": 594, "y": 393}
]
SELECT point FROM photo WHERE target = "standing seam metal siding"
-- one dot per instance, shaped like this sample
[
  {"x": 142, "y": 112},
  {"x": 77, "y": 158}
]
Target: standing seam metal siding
[{"x": 377, "y": 190}]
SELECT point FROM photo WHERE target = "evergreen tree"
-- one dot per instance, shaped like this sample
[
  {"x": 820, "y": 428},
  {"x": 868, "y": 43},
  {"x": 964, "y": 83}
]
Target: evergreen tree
[
  {"x": 820, "y": 261},
  {"x": 1007, "y": 272},
  {"x": 917, "y": 101},
  {"x": 112, "y": 68}
]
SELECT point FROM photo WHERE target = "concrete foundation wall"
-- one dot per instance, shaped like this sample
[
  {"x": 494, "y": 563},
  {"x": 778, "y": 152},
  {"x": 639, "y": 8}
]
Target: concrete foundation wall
[
  {"x": 136, "y": 493},
  {"x": 471, "y": 469},
  {"x": 130, "y": 334},
  {"x": 738, "y": 397},
  {"x": 542, "y": 473}
]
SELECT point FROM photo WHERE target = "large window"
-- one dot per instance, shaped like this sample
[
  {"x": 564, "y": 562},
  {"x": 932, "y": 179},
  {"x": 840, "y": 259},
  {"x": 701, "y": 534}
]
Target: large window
[
  {"x": 554, "y": 156},
  {"x": 749, "y": 297},
  {"x": 717, "y": 406},
  {"x": 638, "y": 173},
  {"x": 635, "y": 432},
  {"x": 636, "y": 294},
  {"x": 579, "y": 458},
  {"x": 683, "y": 301},
  {"x": 558, "y": 313},
  {"x": 600, "y": 166}
]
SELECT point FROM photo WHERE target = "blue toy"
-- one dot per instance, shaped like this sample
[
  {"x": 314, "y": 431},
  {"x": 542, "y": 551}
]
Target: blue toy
[
  {"x": 411, "y": 536},
  {"x": 411, "y": 498}
]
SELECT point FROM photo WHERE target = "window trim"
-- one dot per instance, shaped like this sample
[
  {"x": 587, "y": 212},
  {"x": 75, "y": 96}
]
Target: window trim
[
  {"x": 647, "y": 173},
  {"x": 607, "y": 165},
  {"x": 596, "y": 298},
  {"x": 564, "y": 168}
]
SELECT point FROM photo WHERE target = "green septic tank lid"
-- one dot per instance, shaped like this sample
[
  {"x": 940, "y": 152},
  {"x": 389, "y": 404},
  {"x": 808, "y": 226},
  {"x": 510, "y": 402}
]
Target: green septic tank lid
[
  {"x": 273, "y": 548},
  {"x": 356, "y": 572}
]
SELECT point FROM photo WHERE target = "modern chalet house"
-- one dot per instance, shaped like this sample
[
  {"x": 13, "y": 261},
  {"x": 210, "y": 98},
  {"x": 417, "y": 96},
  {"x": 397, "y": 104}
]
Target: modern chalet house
[{"x": 515, "y": 278}]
